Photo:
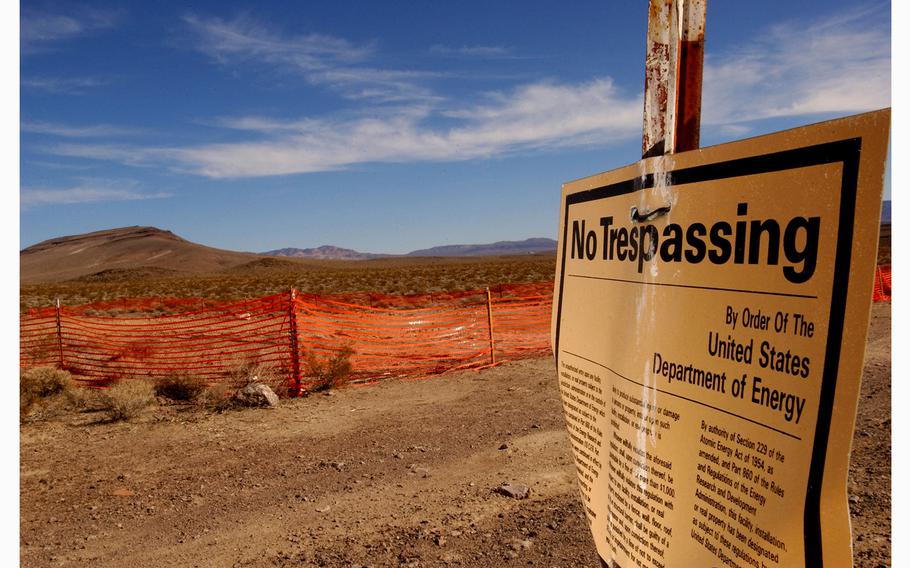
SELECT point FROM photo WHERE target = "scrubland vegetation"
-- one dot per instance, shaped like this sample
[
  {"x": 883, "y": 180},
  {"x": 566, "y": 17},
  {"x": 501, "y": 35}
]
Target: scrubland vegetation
[
  {"x": 49, "y": 392},
  {"x": 126, "y": 400},
  {"x": 260, "y": 278},
  {"x": 330, "y": 372}
]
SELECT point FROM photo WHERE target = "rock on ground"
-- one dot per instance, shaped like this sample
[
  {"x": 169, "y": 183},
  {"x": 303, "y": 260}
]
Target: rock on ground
[{"x": 257, "y": 394}]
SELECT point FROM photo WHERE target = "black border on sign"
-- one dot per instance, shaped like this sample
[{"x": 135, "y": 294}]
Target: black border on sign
[{"x": 847, "y": 152}]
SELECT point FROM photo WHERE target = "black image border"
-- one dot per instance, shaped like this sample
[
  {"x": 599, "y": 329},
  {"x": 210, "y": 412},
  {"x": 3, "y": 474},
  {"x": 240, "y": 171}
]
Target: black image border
[{"x": 847, "y": 152}]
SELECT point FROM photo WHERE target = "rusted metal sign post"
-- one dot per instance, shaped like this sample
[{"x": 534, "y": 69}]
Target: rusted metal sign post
[{"x": 673, "y": 76}]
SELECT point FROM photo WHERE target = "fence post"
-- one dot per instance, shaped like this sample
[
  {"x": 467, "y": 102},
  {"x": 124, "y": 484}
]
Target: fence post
[
  {"x": 490, "y": 324},
  {"x": 295, "y": 353},
  {"x": 59, "y": 332}
]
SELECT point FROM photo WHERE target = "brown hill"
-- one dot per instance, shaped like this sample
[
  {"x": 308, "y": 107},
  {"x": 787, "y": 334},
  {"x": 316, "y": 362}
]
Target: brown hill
[{"x": 109, "y": 254}]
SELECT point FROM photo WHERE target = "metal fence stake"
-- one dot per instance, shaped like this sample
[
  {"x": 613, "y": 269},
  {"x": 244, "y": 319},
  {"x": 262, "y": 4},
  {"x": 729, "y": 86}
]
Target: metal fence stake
[
  {"x": 490, "y": 324},
  {"x": 295, "y": 353},
  {"x": 59, "y": 332}
]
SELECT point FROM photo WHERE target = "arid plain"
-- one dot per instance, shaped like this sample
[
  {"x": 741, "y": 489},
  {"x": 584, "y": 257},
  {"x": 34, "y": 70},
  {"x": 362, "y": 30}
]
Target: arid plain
[{"x": 399, "y": 473}]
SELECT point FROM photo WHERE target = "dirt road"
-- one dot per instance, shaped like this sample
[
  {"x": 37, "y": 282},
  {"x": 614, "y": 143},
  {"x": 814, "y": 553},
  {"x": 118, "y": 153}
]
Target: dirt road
[{"x": 400, "y": 473}]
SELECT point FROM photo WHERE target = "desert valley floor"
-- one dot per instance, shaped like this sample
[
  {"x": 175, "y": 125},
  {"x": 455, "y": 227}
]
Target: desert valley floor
[{"x": 399, "y": 473}]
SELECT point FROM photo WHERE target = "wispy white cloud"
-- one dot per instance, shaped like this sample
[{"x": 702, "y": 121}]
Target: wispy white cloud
[
  {"x": 41, "y": 30},
  {"x": 733, "y": 130},
  {"x": 378, "y": 85},
  {"x": 62, "y": 85},
  {"x": 548, "y": 115},
  {"x": 531, "y": 117},
  {"x": 47, "y": 164},
  {"x": 122, "y": 153},
  {"x": 244, "y": 39},
  {"x": 264, "y": 124},
  {"x": 478, "y": 51},
  {"x": 839, "y": 64},
  {"x": 321, "y": 59},
  {"x": 67, "y": 131},
  {"x": 87, "y": 191}
]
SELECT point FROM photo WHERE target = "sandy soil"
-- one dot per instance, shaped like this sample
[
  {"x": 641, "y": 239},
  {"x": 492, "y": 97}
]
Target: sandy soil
[{"x": 400, "y": 473}]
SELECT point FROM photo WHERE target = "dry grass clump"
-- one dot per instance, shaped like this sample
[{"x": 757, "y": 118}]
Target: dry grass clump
[
  {"x": 218, "y": 397},
  {"x": 47, "y": 392},
  {"x": 127, "y": 399},
  {"x": 330, "y": 372},
  {"x": 183, "y": 388},
  {"x": 38, "y": 384}
]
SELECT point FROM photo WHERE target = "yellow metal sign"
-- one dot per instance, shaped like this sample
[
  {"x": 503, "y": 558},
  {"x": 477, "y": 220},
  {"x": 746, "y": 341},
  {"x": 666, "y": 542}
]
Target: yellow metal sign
[{"x": 709, "y": 329}]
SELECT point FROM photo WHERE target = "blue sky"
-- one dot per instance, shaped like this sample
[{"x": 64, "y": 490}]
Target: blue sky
[{"x": 387, "y": 127}]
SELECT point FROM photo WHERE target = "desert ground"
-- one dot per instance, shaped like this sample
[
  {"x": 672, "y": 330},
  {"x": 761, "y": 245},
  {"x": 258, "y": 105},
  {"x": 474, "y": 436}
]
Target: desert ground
[{"x": 400, "y": 473}]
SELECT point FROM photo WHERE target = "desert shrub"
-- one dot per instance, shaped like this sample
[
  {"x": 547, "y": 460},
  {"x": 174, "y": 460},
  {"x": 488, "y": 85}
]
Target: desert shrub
[
  {"x": 218, "y": 397},
  {"x": 44, "y": 381},
  {"x": 330, "y": 372},
  {"x": 179, "y": 387},
  {"x": 47, "y": 392},
  {"x": 39, "y": 383},
  {"x": 127, "y": 399},
  {"x": 84, "y": 399}
]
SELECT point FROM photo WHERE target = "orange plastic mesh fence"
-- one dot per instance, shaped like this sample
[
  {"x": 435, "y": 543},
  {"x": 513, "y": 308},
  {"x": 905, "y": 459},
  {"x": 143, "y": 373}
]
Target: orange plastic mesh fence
[
  {"x": 207, "y": 343},
  {"x": 394, "y": 343},
  {"x": 881, "y": 291},
  {"x": 392, "y": 338},
  {"x": 396, "y": 336}
]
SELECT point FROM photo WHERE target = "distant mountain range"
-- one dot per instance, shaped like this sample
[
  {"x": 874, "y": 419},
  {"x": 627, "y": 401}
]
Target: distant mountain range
[
  {"x": 500, "y": 248},
  {"x": 148, "y": 252},
  {"x": 325, "y": 251},
  {"x": 527, "y": 246}
]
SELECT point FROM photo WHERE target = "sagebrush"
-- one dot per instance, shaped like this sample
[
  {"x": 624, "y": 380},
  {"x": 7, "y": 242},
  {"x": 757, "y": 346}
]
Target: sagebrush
[
  {"x": 218, "y": 397},
  {"x": 127, "y": 399},
  {"x": 332, "y": 371},
  {"x": 182, "y": 388},
  {"x": 40, "y": 383}
]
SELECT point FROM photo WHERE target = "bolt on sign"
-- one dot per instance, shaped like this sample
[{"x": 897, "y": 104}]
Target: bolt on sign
[{"x": 709, "y": 329}]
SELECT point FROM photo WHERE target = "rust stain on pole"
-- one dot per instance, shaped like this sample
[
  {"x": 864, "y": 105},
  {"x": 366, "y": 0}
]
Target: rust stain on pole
[
  {"x": 690, "y": 65},
  {"x": 673, "y": 76},
  {"x": 657, "y": 69}
]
